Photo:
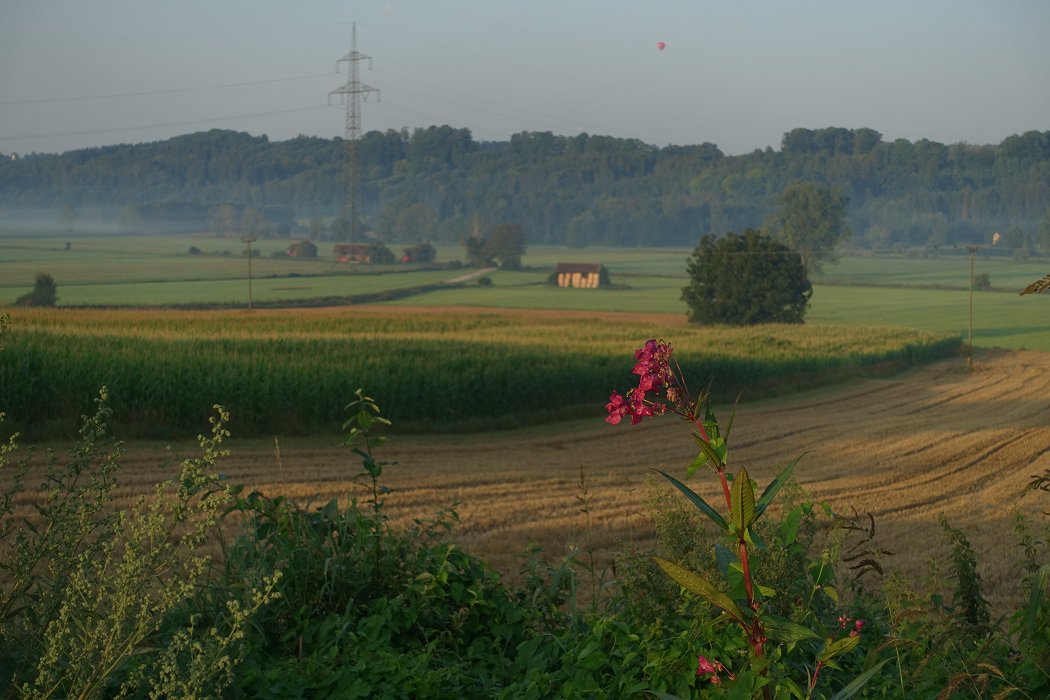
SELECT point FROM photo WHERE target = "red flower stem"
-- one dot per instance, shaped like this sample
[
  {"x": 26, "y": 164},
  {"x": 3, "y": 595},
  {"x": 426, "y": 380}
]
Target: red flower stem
[
  {"x": 746, "y": 565},
  {"x": 816, "y": 672},
  {"x": 725, "y": 488}
]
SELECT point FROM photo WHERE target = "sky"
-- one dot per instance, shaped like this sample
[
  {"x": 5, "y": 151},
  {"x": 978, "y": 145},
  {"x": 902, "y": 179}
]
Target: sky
[{"x": 79, "y": 74}]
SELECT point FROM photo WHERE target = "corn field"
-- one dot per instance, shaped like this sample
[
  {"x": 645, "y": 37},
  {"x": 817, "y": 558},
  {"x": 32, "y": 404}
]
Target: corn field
[{"x": 292, "y": 372}]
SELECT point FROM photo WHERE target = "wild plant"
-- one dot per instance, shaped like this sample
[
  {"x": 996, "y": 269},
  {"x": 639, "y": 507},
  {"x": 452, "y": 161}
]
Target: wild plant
[
  {"x": 770, "y": 664},
  {"x": 92, "y": 588}
]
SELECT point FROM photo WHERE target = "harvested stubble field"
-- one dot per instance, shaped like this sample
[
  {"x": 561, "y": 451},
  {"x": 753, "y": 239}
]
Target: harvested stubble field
[{"x": 938, "y": 439}]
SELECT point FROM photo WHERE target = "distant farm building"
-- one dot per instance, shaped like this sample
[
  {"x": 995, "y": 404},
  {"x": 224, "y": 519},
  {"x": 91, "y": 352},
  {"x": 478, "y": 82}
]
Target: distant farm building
[
  {"x": 302, "y": 249},
  {"x": 581, "y": 275},
  {"x": 422, "y": 253},
  {"x": 353, "y": 252}
]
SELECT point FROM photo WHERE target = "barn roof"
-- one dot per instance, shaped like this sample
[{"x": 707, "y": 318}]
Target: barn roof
[{"x": 582, "y": 268}]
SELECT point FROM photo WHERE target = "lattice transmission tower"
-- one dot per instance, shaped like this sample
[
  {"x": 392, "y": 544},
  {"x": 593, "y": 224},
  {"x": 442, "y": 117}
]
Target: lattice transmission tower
[{"x": 352, "y": 94}]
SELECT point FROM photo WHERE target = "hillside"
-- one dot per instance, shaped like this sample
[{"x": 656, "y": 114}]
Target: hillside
[{"x": 439, "y": 184}]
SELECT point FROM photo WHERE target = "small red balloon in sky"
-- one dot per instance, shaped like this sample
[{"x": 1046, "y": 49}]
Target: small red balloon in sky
[{"x": 661, "y": 45}]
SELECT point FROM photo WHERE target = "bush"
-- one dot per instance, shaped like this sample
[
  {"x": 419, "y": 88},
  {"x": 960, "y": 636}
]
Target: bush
[
  {"x": 744, "y": 280},
  {"x": 44, "y": 293}
]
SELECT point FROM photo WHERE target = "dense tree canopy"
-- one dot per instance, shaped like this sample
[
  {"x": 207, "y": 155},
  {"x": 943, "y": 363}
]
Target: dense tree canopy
[
  {"x": 746, "y": 279},
  {"x": 45, "y": 292},
  {"x": 505, "y": 245},
  {"x": 812, "y": 221},
  {"x": 431, "y": 184}
]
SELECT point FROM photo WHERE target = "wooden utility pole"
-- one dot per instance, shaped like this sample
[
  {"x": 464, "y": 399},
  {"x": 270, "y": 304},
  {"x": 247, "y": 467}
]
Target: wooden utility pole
[
  {"x": 972, "y": 249},
  {"x": 248, "y": 240}
]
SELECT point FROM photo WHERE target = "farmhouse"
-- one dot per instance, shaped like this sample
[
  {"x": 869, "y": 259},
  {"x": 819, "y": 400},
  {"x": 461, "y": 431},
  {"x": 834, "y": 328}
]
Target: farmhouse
[
  {"x": 352, "y": 253},
  {"x": 580, "y": 275},
  {"x": 302, "y": 249}
]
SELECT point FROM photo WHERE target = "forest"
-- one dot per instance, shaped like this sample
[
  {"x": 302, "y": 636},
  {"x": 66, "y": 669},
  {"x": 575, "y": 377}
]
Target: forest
[{"x": 439, "y": 184}]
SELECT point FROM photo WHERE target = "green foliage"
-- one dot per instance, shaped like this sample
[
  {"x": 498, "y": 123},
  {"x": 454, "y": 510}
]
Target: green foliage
[
  {"x": 332, "y": 601},
  {"x": 744, "y": 280},
  {"x": 505, "y": 245},
  {"x": 578, "y": 190},
  {"x": 812, "y": 221},
  {"x": 982, "y": 282},
  {"x": 967, "y": 601},
  {"x": 91, "y": 590},
  {"x": 284, "y": 375},
  {"x": 379, "y": 254},
  {"x": 45, "y": 292}
]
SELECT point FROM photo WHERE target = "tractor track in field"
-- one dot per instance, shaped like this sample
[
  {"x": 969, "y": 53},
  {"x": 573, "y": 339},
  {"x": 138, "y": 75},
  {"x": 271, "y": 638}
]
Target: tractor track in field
[{"x": 935, "y": 440}]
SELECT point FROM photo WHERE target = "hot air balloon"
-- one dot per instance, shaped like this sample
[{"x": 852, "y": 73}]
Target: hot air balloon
[{"x": 661, "y": 45}]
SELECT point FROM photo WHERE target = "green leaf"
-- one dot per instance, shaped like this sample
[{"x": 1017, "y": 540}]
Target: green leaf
[
  {"x": 1035, "y": 600},
  {"x": 713, "y": 457},
  {"x": 703, "y": 506},
  {"x": 724, "y": 558},
  {"x": 789, "y": 528},
  {"x": 786, "y": 631},
  {"x": 694, "y": 583},
  {"x": 742, "y": 498},
  {"x": 774, "y": 486},
  {"x": 858, "y": 682},
  {"x": 753, "y": 538},
  {"x": 732, "y": 416},
  {"x": 839, "y": 646}
]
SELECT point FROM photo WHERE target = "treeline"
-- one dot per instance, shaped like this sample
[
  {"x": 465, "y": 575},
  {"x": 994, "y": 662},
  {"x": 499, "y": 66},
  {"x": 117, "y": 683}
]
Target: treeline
[{"x": 439, "y": 184}]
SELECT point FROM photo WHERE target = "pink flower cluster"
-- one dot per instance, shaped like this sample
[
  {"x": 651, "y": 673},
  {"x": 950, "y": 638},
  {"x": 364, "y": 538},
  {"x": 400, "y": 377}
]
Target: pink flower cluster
[
  {"x": 858, "y": 625},
  {"x": 710, "y": 668},
  {"x": 653, "y": 368}
]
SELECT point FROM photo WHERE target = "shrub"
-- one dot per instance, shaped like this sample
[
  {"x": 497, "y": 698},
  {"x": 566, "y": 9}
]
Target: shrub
[
  {"x": 97, "y": 596},
  {"x": 45, "y": 292},
  {"x": 744, "y": 280}
]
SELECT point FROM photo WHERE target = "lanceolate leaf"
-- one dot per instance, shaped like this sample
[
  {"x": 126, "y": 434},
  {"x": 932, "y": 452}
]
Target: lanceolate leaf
[
  {"x": 857, "y": 683},
  {"x": 732, "y": 416},
  {"x": 694, "y": 583},
  {"x": 742, "y": 497},
  {"x": 774, "y": 486},
  {"x": 697, "y": 501},
  {"x": 713, "y": 457},
  {"x": 1035, "y": 600},
  {"x": 839, "y": 646},
  {"x": 785, "y": 631}
]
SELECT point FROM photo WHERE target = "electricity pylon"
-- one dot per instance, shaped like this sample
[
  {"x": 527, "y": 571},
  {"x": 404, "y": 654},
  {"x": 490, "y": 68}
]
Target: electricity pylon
[{"x": 352, "y": 94}]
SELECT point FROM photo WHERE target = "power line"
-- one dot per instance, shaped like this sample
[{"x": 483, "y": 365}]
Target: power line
[
  {"x": 142, "y": 93},
  {"x": 143, "y": 127}
]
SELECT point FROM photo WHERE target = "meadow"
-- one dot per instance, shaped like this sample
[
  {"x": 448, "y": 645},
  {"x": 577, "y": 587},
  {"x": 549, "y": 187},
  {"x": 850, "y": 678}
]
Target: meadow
[
  {"x": 559, "y": 505},
  {"x": 906, "y": 291}
]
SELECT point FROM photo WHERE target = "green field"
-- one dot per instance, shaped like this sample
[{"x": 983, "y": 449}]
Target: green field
[
  {"x": 292, "y": 371},
  {"x": 921, "y": 293}
]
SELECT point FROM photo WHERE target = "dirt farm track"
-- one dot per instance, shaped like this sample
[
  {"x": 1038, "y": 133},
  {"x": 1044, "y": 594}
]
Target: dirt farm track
[{"x": 938, "y": 439}]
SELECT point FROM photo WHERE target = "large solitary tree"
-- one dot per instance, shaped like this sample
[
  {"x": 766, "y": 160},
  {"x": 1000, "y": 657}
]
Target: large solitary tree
[
  {"x": 505, "y": 245},
  {"x": 812, "y": 221},
  {"x": 746, "y": 279},
  {"x": 45, "y": 292}
]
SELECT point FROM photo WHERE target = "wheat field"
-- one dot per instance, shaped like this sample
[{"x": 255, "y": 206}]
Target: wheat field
[{"x": 938, "y": 439}]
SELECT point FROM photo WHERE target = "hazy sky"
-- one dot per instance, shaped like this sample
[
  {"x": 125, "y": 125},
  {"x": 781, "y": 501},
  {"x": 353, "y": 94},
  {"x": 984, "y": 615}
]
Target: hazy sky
[{"x": 79, "y": 73}]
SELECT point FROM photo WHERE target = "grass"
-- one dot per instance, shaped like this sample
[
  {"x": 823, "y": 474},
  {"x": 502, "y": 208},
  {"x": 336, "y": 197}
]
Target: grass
[
  {"x": 920, "y": 293},
  {"x": 292, "y": 370}
]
